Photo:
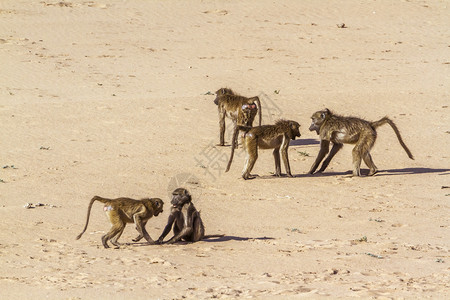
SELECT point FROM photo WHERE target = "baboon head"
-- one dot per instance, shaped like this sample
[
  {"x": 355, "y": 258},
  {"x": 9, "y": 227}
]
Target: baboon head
[
  {"x": 157, "y": 206},
  {"x": 180, "y": 197},
  {"x": 318, "y": 118},
  {"x": 295, "y": 129},
  {"x": 221, "y": 92}
]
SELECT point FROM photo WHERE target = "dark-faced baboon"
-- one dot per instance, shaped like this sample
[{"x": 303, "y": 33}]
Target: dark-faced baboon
[
  {"x": 184, "y": 219},
  {"x": 231, "y": 105},
  {"x": 275, "y": 137},
  {"x": 349, "y": 130},
  {"x": 125, "y": 210}
]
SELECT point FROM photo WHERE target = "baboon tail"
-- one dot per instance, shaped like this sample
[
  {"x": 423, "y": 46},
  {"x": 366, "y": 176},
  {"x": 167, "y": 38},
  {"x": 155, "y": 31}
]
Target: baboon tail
[
  {"x": 385, "y": 120},
  {"x": 233, "y": 144},
  {"x": 95, "y": 198},
  {"x": 259, "y": 110}
]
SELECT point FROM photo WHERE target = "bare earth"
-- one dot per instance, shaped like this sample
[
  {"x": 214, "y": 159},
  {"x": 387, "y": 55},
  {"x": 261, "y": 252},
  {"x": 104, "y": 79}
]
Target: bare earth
[{"x": 111, "y": 98}]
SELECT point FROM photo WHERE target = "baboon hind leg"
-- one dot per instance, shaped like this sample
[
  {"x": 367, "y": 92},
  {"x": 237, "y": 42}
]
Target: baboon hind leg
[
  {"x": 251, "y": 157},
  {"x": 114, "y": 231},
  {"x": 369, "y": 162},
  {"x": 361, "y": 151},
  {"x": 222, "y": 127},
  {"x": 199, "y": 229}
]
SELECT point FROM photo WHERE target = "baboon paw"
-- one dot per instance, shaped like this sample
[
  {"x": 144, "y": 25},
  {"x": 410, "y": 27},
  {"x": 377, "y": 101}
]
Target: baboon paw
[{"x": 371, "y": 173}]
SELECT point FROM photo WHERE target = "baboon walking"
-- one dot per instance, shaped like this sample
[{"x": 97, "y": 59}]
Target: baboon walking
[
  {"x": 125, "y": 210},
  {"x": 275, "y": 137},
  {"x": 350, "y": 130},
  {"x": 233, "y": 106}
]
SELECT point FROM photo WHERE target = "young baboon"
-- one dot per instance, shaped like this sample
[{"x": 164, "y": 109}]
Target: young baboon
[
  {"x": 184, "y": 218},
  {"x": 349, "y": 130},
  {"x": 125, "y": 210},
  {"x": 231, "y": 105},
  {"x": 275, "y": 137}
]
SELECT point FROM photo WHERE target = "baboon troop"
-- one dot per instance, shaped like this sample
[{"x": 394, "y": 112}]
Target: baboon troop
[
  {"x": 241, "y": 110},
  {"x": 276, "y": 137},
  {"x": 348, "y": 130},
  {"x": 184, "y": 219},
  {"x": 121, "y": 211}
]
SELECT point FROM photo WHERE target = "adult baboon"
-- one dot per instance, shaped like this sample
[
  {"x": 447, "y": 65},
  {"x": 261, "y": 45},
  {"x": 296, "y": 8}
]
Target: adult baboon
[
  {"x": 125, "y": 210},
  {"x": 349, "y": 130},
  {"x": 275, "y": 137},
  {"x": 184, "y": 219},
  {"x": 231, "y": 105}
]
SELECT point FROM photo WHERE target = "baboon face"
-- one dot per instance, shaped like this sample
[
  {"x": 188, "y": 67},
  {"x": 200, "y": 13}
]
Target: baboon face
[
  {"x": 180, "y": 197},
  {"x": 317, "y": 119},
  {"x": 157, "y": 206},
  {"x": 295, "y": 130}
]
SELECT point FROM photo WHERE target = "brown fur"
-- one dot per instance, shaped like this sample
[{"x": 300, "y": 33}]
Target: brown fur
[
  {"x": 275, "y": 137},
  {"x": 125, "y": 210},
  {"x": 184, "y": 218},
  {"x": 349, "y": 130},
  {"x": 231, "y": 105}
]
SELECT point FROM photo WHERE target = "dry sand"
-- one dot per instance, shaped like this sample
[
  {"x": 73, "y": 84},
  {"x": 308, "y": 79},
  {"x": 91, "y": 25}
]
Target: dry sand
[{"x": 111, "y": 98}]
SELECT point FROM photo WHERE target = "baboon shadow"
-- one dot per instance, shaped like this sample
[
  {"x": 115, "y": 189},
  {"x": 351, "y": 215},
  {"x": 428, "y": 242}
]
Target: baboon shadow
[
  {"x": 388, "y": 172},
  {"x": 227, "y": 238},
  {"x": 303, "y": 142},
  {"x": 219, "y": 238},
  {"x": 407, "y": 171}
]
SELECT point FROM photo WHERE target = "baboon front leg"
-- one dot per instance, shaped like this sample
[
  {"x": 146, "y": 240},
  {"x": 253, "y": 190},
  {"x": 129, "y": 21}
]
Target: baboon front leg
[
  {"x": 276, "y": 156},
  {"x": 284, "y": 154},
  {"x": 324, "y": 148},
  {"x": 140, "y": 236},
  {"x": 335, "y": 149},
  {"x": 141, "y": 229}
]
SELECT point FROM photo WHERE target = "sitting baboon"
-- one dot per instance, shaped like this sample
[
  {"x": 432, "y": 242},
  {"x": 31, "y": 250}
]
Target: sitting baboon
[
  {"x": 184, "y": 219},
  {"x": 231, "y": 105},
  {"x": 275, "y": 136},
  {"x": 349, "y": 130},
  {"x": 125, "y": 210}
]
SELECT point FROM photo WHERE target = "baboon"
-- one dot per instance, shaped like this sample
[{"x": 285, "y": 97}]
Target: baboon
[
  {"x": 184, "y": 219},
  {"x": 349, "y": 130},
  {"x": 232, "y": 106},
  {"x": 275, "y": 137},
  {"x": 125, "y": 210}
]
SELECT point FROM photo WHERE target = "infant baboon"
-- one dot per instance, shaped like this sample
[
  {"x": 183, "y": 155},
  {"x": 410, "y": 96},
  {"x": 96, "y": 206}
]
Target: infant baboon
[
  {"x": 125, "y": 210},
  {"x": 184, "y": 218},
  {"x": 275, "y": 136},
  {"x": 349, "y": 130},
  {"x": 232, "y": 106}
]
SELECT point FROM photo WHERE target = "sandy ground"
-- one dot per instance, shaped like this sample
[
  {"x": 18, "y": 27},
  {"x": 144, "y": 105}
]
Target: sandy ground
[{"x": 114, "y": 99}]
